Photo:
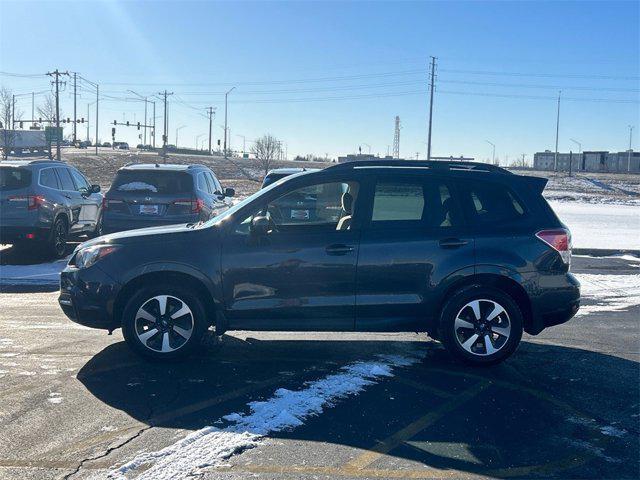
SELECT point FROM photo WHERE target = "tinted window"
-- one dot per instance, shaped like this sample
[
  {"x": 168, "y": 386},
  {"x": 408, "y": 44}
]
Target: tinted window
[
  {"x": 273, "y": 178},
  {"x": 65, "y": 179},
  {"x": 203, "y": 185},
  {"x": 491, "y": 202},
  {"x": 427, "y": 203},
  {"x": 81, "y": 182},
  {"x": 48, "y": 178},
  {"x": 14, "y": 178},
  {"x": 217, "y": 188},
  {"x": 150, "y": 181}
]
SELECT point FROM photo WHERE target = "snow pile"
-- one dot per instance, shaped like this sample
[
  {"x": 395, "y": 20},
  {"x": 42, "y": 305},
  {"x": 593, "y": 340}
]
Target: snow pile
[
  {"x": 39, "y": 274},
  {"x": 286, "y": 409},
  {"x": 608, "y": 293},
  {"x": 137, "y": 187}
]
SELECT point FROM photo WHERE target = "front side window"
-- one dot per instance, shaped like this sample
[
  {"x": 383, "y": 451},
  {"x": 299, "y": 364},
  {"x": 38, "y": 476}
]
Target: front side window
[
  {"x": 324, "y": 207},
  {"x": 215, "y": 184},
  {"x": 81, "y": 182},
  {"x": 427, "y": 203}
]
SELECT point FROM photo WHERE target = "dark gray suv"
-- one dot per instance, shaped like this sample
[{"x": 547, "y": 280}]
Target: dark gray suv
[
  {"x": 43, "y": 201},
  {"x": 150, "y": 195}
]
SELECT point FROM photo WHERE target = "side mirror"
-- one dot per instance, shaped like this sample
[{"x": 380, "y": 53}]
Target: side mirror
[
  {"x": 229, "y": 192},
  {"x": 260, "y": 226},
  {"x": 94, "y": 189}
]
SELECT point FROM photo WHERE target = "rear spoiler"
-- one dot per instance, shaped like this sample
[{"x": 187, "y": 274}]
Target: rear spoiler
[{"x": 537, "y": 184}]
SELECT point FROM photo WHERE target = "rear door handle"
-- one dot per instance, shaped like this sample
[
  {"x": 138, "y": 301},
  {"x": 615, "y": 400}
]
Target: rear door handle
[
  {"x": 339, "y": 249},
  {"x": 452, "y": 243}
]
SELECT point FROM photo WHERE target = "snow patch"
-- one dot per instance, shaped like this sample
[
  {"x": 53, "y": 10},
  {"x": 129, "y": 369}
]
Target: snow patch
[
  {"x": 608, "y": 293},
  {"x": 55, "y": 398},
  {"x": 286, "y": 409},
  {"x": 38, "y": 274}
]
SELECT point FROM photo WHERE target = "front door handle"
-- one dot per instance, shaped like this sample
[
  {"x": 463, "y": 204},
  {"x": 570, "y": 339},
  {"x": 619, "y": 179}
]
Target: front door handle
[
  {"x": 339, "y": 249},
  {"x": 452, "y": 243}
]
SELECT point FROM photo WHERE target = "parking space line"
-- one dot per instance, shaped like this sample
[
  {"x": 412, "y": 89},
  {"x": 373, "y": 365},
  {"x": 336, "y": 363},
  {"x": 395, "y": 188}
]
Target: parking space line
[
  {"x": 414, "y": 428},
  {"x": 421, "y": 386}
]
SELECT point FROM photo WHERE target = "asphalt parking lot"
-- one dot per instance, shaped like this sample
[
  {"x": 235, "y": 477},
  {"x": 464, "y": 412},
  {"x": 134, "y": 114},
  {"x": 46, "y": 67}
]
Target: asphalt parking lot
[{"x": 76, "y": 402}]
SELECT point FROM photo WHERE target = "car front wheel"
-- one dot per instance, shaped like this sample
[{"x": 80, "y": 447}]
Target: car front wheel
[
  {"x": 481, "y": 325},
  {"x": 164, "y": 322}
]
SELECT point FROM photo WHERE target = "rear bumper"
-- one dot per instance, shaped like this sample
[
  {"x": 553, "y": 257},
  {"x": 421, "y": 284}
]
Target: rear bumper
[
  {"x": 556, "y": 300},
  {"x": 119, "y": 224},
  {"x": 13, "y": 234},
  {"x": 87, "y": 297}
]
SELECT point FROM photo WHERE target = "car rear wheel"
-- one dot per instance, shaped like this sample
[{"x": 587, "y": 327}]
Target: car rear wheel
[
  {"x": 164, "y": 322},
  {"x": 58, "y": 238},
  {"x": 481, "y": 325}
]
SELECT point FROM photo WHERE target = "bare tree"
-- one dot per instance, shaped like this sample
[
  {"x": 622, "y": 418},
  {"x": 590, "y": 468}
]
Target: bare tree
[
  {"x": 8, "y": 134},
  {"x": 266, "y": 149},
  {"x": 47, "y": 111}
]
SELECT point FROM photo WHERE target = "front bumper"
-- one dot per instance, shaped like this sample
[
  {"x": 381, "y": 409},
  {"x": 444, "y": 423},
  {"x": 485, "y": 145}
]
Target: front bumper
[
  {"x": 87, "y": 296},
  {"x": 556, "y": 300}
]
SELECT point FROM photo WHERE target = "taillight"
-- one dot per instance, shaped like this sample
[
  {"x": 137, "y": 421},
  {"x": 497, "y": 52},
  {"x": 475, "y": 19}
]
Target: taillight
[
  {"x": 106, "y": 203},
  {"x": 33, "y": 201},
  {"x": 196, "y": 205},
  {"x": 559, "y": 240}
]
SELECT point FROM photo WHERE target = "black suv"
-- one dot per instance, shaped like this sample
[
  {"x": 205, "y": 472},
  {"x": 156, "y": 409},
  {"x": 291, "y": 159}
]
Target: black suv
[
  {"x": 148, "y": 195},
  {"x": 469, "y": 253}
]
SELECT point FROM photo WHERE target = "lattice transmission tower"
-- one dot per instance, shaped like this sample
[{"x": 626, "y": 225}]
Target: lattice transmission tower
[{"x": 396, "y": 139}]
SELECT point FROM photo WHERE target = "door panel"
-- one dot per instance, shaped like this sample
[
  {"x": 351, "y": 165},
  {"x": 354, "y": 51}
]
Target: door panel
[
  {"x": 301, "y": 274},
  {"x": 414, "y": 240}
]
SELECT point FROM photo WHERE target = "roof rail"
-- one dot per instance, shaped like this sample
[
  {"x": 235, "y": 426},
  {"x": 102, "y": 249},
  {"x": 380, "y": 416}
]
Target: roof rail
[
  {"x": 197, "y": 165},
  {"x": 436, "y": 165}
]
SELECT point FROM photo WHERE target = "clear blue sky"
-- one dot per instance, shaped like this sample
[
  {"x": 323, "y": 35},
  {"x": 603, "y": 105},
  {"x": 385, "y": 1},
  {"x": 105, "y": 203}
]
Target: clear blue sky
[{"x": 289, "y": 62}]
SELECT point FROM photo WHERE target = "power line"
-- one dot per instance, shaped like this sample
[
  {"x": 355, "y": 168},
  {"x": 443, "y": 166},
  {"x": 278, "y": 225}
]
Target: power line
[{"x": 543, "y": 75}]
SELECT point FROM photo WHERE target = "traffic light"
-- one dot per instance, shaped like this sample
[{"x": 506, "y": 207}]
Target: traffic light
[
  {"x": 138, "y": 125},
  {"x": 218, "y": 142},
  {"x": 127, "y": 123},
  {"x": 68, "y": 120},
  {"x": 21, "y": 125},
  {"x": 82, "y": 119},
  {"x": 115, "y": 123},
  {"x": 113, "y": 131}
]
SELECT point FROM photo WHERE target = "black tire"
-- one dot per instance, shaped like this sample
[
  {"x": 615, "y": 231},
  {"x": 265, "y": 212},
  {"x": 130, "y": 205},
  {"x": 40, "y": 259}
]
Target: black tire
[
  {"x": 57, "y": 243},
  {"x": 132, "y": 329},
  {"x": 477, "y": 352}
]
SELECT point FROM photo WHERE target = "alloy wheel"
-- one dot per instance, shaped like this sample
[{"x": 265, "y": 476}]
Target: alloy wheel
[
  {"x": 60, "y": 238},
  {"x": 164, "y": 323},
  {"x": 482, "y": 327}
]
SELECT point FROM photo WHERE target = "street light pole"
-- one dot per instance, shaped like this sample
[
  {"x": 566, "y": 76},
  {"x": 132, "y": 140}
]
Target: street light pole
[
  {"x": 177, "y": 130},
  {"x": 225, "y": 120},
  {"x": 579, "y": 152},
  {"x": 493, "y": 155},
  {"x": 555, "y": 157},
  {"x": 629, "y": 153},
  {"x": 368, "y": 146}
]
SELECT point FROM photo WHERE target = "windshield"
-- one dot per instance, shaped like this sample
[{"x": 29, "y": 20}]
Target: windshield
[{"x": 150, "y": 181}]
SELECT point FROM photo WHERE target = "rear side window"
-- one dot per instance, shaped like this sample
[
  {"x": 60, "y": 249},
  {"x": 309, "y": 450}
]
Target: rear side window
[
  {"x": 491, "y": 202},
  {"x": 215, "y": 184},
  {"x": 203, "y": 185},
  {"x": 65, "y": 179},
  {"x": 151, "y": 181},
  {"x": 425, "y": 203},
  {"x": 49, "y": 179},
  {"x": 14, "y": 178}
]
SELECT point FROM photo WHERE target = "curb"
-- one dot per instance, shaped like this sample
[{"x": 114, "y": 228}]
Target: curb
[{"x": 605, "y": 252}]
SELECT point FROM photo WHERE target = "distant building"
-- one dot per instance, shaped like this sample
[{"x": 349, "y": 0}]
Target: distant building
[{"x": 600, "y": 161}]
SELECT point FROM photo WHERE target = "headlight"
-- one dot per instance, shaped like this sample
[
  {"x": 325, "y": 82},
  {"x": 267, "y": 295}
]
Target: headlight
[{"x": 85, "y": 257}]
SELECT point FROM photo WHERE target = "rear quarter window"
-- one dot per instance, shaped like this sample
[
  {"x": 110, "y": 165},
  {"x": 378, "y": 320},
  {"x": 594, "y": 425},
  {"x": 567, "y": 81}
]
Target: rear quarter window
[
  {"x": 49, "y": 179},
  {"x": 14, "y": 178},
  {"x": 489, "y": 202}
]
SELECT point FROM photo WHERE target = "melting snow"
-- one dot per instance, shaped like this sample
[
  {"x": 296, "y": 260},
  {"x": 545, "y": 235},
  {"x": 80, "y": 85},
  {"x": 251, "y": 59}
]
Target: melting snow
[
  {"x": 286, "y": 409},
  {"x": 38, "y": 274},
  {"x": 608, "y": 293}
]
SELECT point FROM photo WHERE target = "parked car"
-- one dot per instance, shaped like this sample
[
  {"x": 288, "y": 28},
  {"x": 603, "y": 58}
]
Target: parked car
[
  {"x": 106, "y": 144},
  {"x": 81, "y": 145},
  {"x": 140, "y": 146},
  {"x": 46, "y": 202},
  {"x": 123, "y": 146},
  {"x": 144, "y": 195},
  {"x": 469, "y": 253},
  {"x": 279, "y": 173}
]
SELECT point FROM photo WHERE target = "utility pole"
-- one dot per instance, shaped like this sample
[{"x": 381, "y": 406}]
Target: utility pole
[
  {"x": 164, "y": 136},
  {"x": 154, "y": 124},
  {"x": 75, "y": 75},
  {"x": 88, "y": 105},
  {"x": 97, "y": 105},
  {"x": 629, "y": 153},
  {"x": 432, "y": 84},
  {"x": 555, "y": 157},
  {"x": 57, "y": 74},
  {"x": 211, "y": 113},
  {"x": 225, "y": 120}
]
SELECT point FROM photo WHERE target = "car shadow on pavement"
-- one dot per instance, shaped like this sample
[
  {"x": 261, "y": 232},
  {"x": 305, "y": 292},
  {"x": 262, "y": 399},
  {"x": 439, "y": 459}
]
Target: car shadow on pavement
[{"x": 550, "y": 410}]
